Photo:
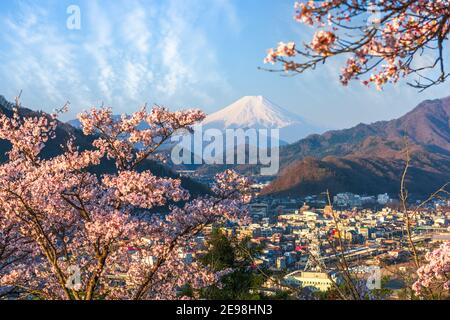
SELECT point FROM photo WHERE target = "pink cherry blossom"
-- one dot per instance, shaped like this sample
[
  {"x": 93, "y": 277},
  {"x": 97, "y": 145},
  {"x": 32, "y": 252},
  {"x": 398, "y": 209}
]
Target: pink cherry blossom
[
  {"x": 435, "y": 275},
  {"x": 57, "y": 216},
  {"x": 382, "y": 41}
]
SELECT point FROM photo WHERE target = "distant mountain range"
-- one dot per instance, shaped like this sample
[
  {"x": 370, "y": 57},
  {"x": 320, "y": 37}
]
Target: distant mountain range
[
  {"x": 365, "y": 159},
  {"x": 254, "y": 112},
  {"x": 249, "y": 112},
  {"x": 369, "y": 158}
]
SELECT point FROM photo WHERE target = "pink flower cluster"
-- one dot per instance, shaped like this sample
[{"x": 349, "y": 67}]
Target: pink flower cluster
[
  {"x": 283, "y": 50},
  {"x": 118, "y": 137},
  {"x": 322, "y": 42},
  {"x": 384, "y": 50},
  {"x": 143, "y": 189},
  {"x": 436, "y": 273},
  {"x": 37, "y": 129},
  {"x": 57, "y": 216}
]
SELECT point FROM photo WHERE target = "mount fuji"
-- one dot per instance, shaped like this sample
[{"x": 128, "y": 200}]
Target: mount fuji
[
  {"x": 257, "y": 112},
  {"x": 253, "y": 112}
]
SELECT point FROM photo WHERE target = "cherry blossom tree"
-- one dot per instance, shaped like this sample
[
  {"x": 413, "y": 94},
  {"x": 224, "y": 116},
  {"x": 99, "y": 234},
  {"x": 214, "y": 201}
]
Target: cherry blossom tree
[
  {"x": 67, "y": 233},
  {"x": 382, "y": 40}
]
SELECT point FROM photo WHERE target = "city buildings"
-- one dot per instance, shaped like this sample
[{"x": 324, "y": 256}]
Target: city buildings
[{"x": 302, "y": 239}]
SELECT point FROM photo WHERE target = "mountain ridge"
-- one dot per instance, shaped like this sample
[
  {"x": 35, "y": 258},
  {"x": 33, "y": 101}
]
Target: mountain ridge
[
  {"x": 255, "y": 112},
  {"x": 351, "y": 159}
]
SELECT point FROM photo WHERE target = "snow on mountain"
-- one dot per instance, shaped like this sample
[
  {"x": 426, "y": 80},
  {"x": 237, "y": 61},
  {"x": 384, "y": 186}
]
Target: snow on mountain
[
  {"x": 255, "y": 112},
  {"x": 259, "y": 113}
]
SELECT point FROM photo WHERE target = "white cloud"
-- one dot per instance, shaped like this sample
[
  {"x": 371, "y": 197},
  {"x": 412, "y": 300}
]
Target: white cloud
[
  {"x": 135, "y": 75},
  {"x": 39, "y": 60},
  {"x": 225, "y": 8},
  {"x": 100, "y": 46},
  {"x": 136, "y": 31},
  {"x": 188, "y": 58},
  {"x": 124, "y": 54}
]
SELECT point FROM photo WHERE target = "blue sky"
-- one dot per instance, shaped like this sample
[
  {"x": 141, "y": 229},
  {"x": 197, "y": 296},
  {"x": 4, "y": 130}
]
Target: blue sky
[{"x": 179, "y": 53}]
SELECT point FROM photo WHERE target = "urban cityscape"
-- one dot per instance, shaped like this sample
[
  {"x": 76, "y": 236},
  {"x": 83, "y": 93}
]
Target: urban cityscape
[{"x": 303, "y": 240}]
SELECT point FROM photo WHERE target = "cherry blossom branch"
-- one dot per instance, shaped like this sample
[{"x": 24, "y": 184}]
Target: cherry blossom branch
[{"x": 401, "y": 28}]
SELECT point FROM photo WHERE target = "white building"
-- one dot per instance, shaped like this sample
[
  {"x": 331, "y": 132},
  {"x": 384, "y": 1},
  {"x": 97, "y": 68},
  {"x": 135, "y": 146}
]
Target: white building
[{"x": 317, "y": 281}]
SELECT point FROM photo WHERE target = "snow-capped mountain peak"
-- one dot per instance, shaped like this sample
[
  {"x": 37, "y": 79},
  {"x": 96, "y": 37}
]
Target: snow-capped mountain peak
[
  {"x": 260, "y": 113},
  {"x": 252, "y": 112}
]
